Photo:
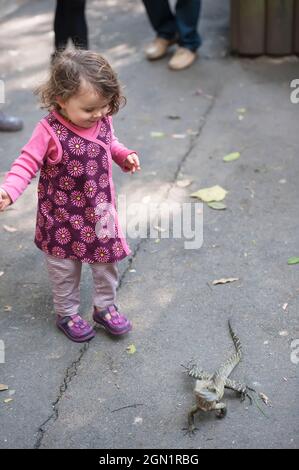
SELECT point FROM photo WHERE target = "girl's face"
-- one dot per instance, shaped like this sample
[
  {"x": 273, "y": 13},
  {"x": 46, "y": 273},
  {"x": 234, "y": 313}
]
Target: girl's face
[{"x": 84, "y": 108}]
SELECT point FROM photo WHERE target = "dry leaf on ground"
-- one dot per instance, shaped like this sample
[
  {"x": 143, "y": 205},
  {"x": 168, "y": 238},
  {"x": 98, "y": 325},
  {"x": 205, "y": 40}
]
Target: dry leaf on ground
[
  {"x": 157, "y": 134},
  {"x": 131, "y": 349},
  {"x": 224, "y": 280},
  {"x": 231, "y": 157},
  {"x": 183, "y": 183},
  {"x": 265, "y": 399},
  {"x": 219, "y": 206},
  {"x": 213, "y": 193}
]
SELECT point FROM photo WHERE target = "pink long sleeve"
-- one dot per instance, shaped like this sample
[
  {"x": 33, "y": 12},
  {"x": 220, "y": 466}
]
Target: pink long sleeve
[
  {"x": 26, "y": 166},
  {"x": 118, "y": 151}
]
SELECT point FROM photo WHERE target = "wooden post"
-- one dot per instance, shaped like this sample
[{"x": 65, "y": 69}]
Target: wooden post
[
  {"x": 296, "y": 27},
  {"x": 279, "y": 29},
  {"x": 248, "y": 19}
]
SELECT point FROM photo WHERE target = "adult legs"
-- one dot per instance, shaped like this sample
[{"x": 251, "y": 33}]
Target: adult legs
[
  {"x": 187, "y": 17},
  {"x": 78, "y": 26},
  {"x": 161, "y": 18},
  {"x": 70, "y": 23}
]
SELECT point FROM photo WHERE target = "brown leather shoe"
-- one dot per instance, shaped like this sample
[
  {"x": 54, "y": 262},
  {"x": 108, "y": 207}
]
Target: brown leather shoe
[
  {"x": 182, "y": 59},
  {"x": 10, "y": 123},
  {"x": 158, "y": 48}
]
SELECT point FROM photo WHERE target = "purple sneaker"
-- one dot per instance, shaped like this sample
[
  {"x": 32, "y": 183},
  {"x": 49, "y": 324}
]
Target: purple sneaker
[
  {"x": 75, "y": 328},
  {"x": 116, "y": 323}
]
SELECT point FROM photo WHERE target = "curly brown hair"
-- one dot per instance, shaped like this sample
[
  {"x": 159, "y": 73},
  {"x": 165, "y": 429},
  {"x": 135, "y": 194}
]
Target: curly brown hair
[{"x": 70, "y": 68}]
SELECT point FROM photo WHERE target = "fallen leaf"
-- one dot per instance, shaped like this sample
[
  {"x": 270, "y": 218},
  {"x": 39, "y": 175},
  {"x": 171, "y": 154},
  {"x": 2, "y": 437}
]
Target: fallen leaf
[
  {"x": 213, "y": 193},
  {"x": 157, "y": 134},
  {"x": 224, "y": 280},
  {"x": 231, "y": 157},
  {"x": 284, "y": 307},
  {"x": 293, "y": 260},
  {"x": 265, "y": 399},
  {"x": 9, "y": 229},
  {"x": 217, "y": 205},
  {"x": 131, "y": 349},
  {"x": 192, "y": 132},
  {"x": 178, "y": 136},
  {"x": 3, "y": 387},
  {"x": 173, "y": 116},
  {"x": 283, "y": 333},
  {"x": 7, "y": 308},
  {"x": 241, "y": 110},
  {"x": 8, "y": 400},
  {"x": 183, "y": 183},
  {"x": 138, "y": 420}
]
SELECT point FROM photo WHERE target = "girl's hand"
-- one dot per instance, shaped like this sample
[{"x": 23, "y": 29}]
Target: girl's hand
[
  {"x": 4, "y": 200},
  {"x": 131, "y": 163}
]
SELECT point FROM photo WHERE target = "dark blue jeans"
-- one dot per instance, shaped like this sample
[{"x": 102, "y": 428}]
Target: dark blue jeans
[
  {"x": 183, "y": 24},
  {"x": 70, "y": 23}
]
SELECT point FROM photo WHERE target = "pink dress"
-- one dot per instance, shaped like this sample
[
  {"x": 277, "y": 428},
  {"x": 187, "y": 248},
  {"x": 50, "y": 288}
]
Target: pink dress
[{"x": 76, "y": 215}]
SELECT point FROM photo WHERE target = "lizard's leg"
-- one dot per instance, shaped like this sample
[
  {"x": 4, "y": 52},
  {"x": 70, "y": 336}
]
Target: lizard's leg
[
  {"x": 240, "y": 388},
  {"x": 220, "y": 410},
  {"x": 191, "y": 427}
]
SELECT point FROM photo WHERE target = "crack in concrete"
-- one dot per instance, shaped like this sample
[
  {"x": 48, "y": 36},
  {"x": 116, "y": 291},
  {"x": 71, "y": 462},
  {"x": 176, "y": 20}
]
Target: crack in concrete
[{"x": 71, "y": 371}]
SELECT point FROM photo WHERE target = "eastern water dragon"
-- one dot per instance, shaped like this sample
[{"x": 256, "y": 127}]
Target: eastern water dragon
[{"x": 209, "y": 388}]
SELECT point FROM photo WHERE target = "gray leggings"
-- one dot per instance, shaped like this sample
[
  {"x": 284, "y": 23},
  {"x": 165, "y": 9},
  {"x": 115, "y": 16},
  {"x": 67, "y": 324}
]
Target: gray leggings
[{"x": 65, "y": 275}]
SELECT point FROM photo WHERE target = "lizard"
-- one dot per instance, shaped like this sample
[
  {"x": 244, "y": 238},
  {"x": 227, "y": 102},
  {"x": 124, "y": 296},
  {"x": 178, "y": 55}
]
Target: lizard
[{"x": 209, "y": 388}]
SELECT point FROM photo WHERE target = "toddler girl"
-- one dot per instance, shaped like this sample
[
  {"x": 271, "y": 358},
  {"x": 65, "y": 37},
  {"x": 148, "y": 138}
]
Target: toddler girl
[{"x": 74, "y": 146}]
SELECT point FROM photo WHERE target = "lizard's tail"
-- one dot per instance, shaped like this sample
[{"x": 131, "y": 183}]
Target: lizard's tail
[
  {"x": 237, "y": 342},
  {"x": 224, "y": 371}
]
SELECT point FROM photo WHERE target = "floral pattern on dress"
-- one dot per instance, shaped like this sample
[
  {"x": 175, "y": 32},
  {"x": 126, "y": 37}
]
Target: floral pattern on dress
[
  {"x": 67, "y": 183},
  {"x": 102, "y": 255},
  {"x": 103, "y": 181},
  {"x": 91, "y": 167},
  {"x": 60, "y": 198},
  {"x": 63, "y": 235},
  {"x": 41, "y": 191},
  {"x": 58, "y": 252},
  {"x": 77, "y": 222},
  {"x": 76, "y": 207},
  {"x": 79, "y": 249},
  {"x": 88, "y": 234},
  {"x": 93, "y": 150},
  {"x": 75, "y": 168},
  {"x": 77, "y": 146},
  {"x": 61, "y": 214},
  {"x": 78, "y": 199},
  {"x": 90, "y": 188},
  {"x": 60, "y": 131}
]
